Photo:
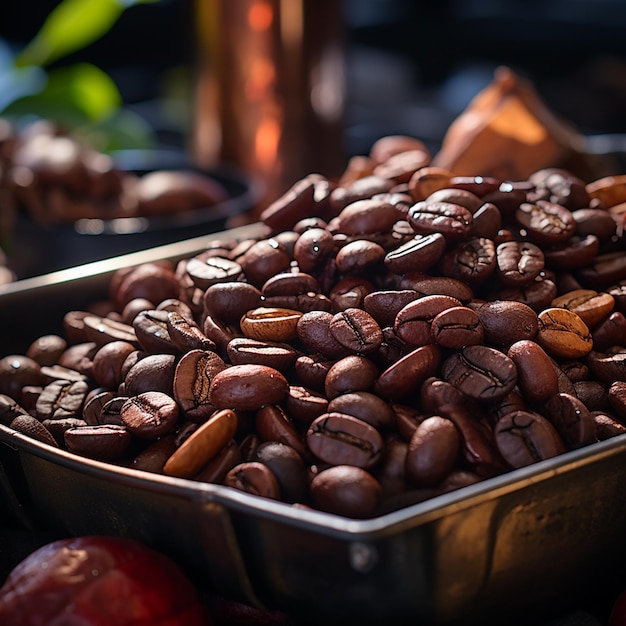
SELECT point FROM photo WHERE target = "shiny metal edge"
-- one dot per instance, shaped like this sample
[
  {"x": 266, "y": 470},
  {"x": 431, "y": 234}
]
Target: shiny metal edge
[{"x": 320, "y": 522}]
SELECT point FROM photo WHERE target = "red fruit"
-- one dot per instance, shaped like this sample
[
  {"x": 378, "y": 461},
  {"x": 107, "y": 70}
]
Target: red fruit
[{"x": 99, "y": 581}]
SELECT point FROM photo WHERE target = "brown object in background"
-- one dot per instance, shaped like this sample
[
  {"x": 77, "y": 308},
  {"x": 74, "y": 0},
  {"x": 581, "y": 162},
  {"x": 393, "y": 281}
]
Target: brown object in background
[
  {"x": 509, "y": 118},
  {"x": 270, "y": 89}
]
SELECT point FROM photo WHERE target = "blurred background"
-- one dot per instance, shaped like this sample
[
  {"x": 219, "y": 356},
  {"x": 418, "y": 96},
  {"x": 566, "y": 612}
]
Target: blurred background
[{"x": 281, "y": 88}]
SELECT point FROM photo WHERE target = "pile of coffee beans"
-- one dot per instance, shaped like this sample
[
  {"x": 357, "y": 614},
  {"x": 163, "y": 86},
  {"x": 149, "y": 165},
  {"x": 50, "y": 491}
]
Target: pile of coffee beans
[
  {"x": 387, "y": 337},
  {"x": 51, "y": 176}
]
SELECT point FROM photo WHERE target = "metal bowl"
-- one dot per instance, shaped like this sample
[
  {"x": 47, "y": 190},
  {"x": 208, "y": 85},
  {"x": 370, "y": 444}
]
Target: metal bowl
[{"x": 540, "y": 536}]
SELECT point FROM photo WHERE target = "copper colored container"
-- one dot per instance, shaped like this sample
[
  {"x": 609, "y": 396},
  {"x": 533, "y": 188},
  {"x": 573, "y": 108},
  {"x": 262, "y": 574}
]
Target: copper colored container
[{"x": 270, "y": 88}]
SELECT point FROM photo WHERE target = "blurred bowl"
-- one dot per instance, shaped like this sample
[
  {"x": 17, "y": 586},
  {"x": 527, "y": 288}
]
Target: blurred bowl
[{"x": 39, "y": 248}]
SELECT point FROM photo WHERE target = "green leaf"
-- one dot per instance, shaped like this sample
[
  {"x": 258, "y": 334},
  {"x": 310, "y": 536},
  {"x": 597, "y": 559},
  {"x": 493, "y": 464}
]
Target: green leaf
[
  {"x": 71, "y": 26},
  {"x": 85, "y": 90}
]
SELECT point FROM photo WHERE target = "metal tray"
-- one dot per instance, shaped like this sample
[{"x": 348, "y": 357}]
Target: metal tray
[{"x": 541, "y": 536}]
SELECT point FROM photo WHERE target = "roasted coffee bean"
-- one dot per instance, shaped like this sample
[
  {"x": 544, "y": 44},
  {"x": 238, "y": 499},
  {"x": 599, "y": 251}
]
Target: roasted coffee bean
[
  {"x": 456, "y": 327},
  {"x": 617, "y": 398},
  {"x": 607, "y": 367},
  {"x": 419, "y": 254},
  {"x": 229, "y": 301},
  {"x": 311, "y": 370},
  {"x": 270, "y": 324},
  {"x": 255, "y": 478},
  {"x": 206, "y": 272},
  {"x": 433, "y": 451},
  {"x": 312, "y": 249},
  {"x": 536, "y": 376},
  {"x": 202, "y": 445},
  {"x": 60, "y": 399},
  {"x": 152, "y": 281},
  {"x": 384, "y": 305},
  {"x": 340, "y": 439},
  {"x": 349, "y": 293},
  {"x": 563, "y": 334},
  {"x": 365, "y": 216},
  {"x": 9, "y": 409},
  {"x": 524, "y": 437},
  {"x": 152, "y": 332},
  {"x": 92, "y": 407},
  {"x": 297, "y": 203},
  {"x": 152, "y": 458},
  {"x": 280, "y": 356},
  {"x": 247, "y": 387},
  {"x": 17, "y": 371},
  {"x": 150, "y": 415},
  {"x": 472, "y": 261},
  {"x": 154, "y": 372},
  {"x": 346, "y": 490},
  {"x": 356, "y": 330},
  {"x": 105, "y": 442},
  {"x": 437, "y": 285},
  {"x": 288, "y": 284},
  {"x": 591, "y": 306},
  {"x": 546, "y": 222},
  {"x": 365, "y": 187},
  {"x": 366, "y": 406},
  {"x": 102, "y": 330},
  {"x": 216, "y": 469},
  {"x": 57, "y": 427},
  {"x": 47, "y": 349},
  {"x": 487, "y": 221},
  {"x": 192, "y": 379},
  {"x": 186, "y": 334},
  {"x": 574, "y": 254},
  {"x": 32, "y": 427},
  {"x": 453, "y": 221},
  {"x": 607, "y": 426},
  {"x": 111, "y": 411},
  {"x": 610, "y": 331},
  {"x": 273, "y": 424},
  {"x": 480, "y": 372},
  {"x": 403, "y": 378},
  {"x": 572, "y": 420},
  {"x": 427, "y": 180},
  {"x": 518, "y": 263},
  {"x": 108, "y": 361},
  {"x": 351, "y": 373},
  {"x": 358, "y": 256},
  {"x": 304, "y": 405},
  {"x": 288, "y": 468},
  {"x": 605, "y": 270},
  {"x": 537, "y": 295}
]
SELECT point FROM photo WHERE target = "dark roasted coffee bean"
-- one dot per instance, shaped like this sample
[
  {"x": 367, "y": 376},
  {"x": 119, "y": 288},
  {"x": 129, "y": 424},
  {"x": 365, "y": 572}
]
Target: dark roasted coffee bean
[
  {"x": 254, "y": 478},
  {"x": 572, "y": 420},
  {"x": 340, "y": 439},
  {"x": 546, "y": 222},
  {"x": 366, "y": 406},
  {"x": 150, "y": 415},
  {"x": 106, "y": 442},
  {"x": 418, "y": 254},
  {"x": 247, "y": 387},
  {"x": 471, "y": 261},
  {"x": 480, "y": 372},
  {"x": 433, "y": 451},
  {"x": 518, "y": 263},
  {"x": 356, "y": 330},
  {"x": 453, "y": 221},
  {"x": 346, "y": 490},
  {"x": 525, "y": 437},
  {"x": 351, "y": 373},
  {"x": 456, "y": 327},
  {"x": 61, "y": 398},
  {"x": 288, "y": 467},
  {"x": 230, "y": 300}
]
